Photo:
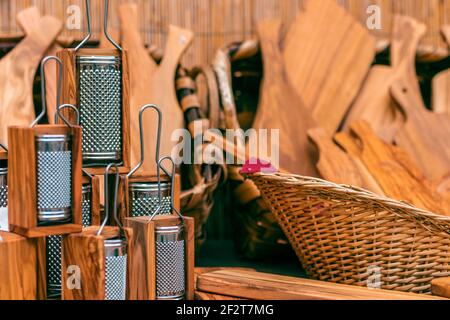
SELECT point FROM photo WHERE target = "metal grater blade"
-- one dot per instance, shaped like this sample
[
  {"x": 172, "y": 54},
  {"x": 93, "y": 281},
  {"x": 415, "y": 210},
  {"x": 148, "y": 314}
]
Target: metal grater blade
[
  {"x": 86, "y": 205},
  {"x": 115, "y": 269},
  {"x": 144, "y": 199},
  {"x": 100, "y": 102},
  {"x": 53, "y": 253}
]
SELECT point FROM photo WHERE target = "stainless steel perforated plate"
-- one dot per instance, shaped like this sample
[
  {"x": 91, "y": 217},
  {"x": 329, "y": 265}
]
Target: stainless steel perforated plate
[
  {"x": 53, "y": 250},
  {"x": 170, "y": 270},
  {"x": 116, "y": 277},
  {"x": 86, "y": 205},
  {"x": 100, "y": 102},
  {"x": 3, "y": 190},
  {"x": 144, "y": 200}
]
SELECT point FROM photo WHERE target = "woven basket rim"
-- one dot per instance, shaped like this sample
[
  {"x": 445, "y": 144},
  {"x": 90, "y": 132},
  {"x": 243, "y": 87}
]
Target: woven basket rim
[{"x": 403, "y": 209}]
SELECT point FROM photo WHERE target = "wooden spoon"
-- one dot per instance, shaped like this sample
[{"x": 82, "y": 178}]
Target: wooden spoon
[
  {"x": 17, "y": 71},
  {"x": 281, "y": 108},
  {"x": 28, "y": 20}
]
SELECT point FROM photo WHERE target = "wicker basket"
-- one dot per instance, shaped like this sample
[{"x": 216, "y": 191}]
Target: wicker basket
[{"x": 348, "y": 235}]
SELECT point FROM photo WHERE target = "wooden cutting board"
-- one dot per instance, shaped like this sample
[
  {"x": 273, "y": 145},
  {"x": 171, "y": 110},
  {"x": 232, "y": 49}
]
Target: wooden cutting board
[
  {"x": 17, "y": 71},
  {"x": 263, "y": 286},
  {"x": 281, "y": 108},
  {"x": 327, "y": 54},
  {"x": 441, "y": 84},
  {"x": 339, "y": 167},
  {"x": 425, "y": 135},
  {"x": 151, "y": 83},
  {"x": 28, "y": 20},
  {"x": 395, "y": 172},
  {"x": 374, "y": 103}
]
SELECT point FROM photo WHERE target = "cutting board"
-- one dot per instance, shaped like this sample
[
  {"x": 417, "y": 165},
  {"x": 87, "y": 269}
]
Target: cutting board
[
  {"x": 28, "y": 20},
  {"x": 397, "y": 175},
  {"x": 339, "y": 167},
  {"x": 17, "y": 71},
  {"x": 425, "y": 135},
  {"x": 151, "y": 83},
  {"x": 374, "y": 103},
  {"x": 441, "y": 84},
  {"x": 328, "y": 55},
  {"x": 281, "y": 108},
  {"x": 263, "y": 286}
]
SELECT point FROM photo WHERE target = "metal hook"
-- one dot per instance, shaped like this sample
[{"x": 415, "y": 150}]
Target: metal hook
[
  {"x": 88, "y": 16},
  {"x": 43, "y": 85},
  {"x": 3, "y": 147},
  {"x": 172, "y": 189},
  {"x": 59, "y": 115},
  {"x": 116, "y": 190},
  {"x": 141, "y": 136},
  {"x": 105, "y": 26}
]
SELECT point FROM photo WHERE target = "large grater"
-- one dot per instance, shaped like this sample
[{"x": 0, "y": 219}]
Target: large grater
[
  {"x": 54, "y": 164},
  {"x": 116, "y": 249},
  {"x": 143, "y": 193},
  {"x": 170, "y": 249},
  {"x": 99, "y": 88}
]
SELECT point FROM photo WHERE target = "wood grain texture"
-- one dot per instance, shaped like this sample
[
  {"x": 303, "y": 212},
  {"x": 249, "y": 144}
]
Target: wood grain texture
[
  {"x": 339, "y": 167},
  {"x": 374, "y": 103},
  {"x": 441, "y": 83},
  {"x": 22, "y": 179},
  {"x": 87, "y": 251},
  {"x": 41, "y": 268},
  {"x": 396, "y": 173},
  {"x": 327, "y": 54},
  {"x": 424, "y": 135},
  {"x": 28, "y": 20},
  {"x": 281, "y": 108},
  {"x": 17, "y": 283},
  {"x": 143, "y": 273},
  {"x": 211, "y": 296},
  {"x": 441, "y": 287},
  {"x": 18, "y": 69},
  {"x": 262, "y": 286}
]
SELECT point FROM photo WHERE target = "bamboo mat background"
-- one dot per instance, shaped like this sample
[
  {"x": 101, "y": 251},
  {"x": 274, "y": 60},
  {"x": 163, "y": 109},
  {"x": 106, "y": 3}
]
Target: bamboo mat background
[{"x": 220, "y": 22}]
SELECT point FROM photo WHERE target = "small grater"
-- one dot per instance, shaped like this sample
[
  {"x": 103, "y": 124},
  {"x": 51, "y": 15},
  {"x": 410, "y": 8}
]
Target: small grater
[
  {"x": 54, "y": 164},
  {"x": 116, "y": 249},
  {"x": 99, "y": 87},
  {"x": 143, "y": 195},
  {"x": 170, "y": 243},
  {"x": 3, "y": 180}
]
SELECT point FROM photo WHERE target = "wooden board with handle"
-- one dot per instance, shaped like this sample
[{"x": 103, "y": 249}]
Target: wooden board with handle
[
  {"x": 395, "y": 172},
  {"x": 339, "y": 167},
  {"x": 374, "y": 103},
  {"x": 17, "y": 71},
  {"x": 441, "y": 84},
  {"x": 327, "y": 54},
  {"x": 281, "y": 108},
  {"x": 28, "y": 20},
  {"x": 262, "y": 286},
  {"x": 425, "y": 135}
]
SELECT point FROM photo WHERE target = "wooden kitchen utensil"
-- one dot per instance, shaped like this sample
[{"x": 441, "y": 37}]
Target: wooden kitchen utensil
[
  {"x": 400, "y": 179},
  {"x": 327, "y": 55},
  {"x": 374, "y": 103},
  {"x": 281, "y": 108},
  {"x": 263, "y": 286},
  {"x": 18, "y": 69},
  {"x": 337, "y": 166},
  {"x": 441, "y": 84},
  {"x": 425, "y": 134},
  {"x": 28, "y": 20}
]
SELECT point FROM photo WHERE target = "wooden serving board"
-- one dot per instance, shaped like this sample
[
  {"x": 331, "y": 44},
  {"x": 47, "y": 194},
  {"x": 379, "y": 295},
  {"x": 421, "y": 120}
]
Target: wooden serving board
[
  {"x": 327, "y": 54},
  {"x": 395, "y": 172},
  {"x": 441, "y": 83},
  {"x": 425, "y": 135},
  {"x": 17, "y": 71},
  {"x": 281, "y": 108},
  {"x": 262, "y": 286},
  {"x": 374, "y": 103},
  {"x": 339, "y": 167},
  {"x": 28, "y": 20}
]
